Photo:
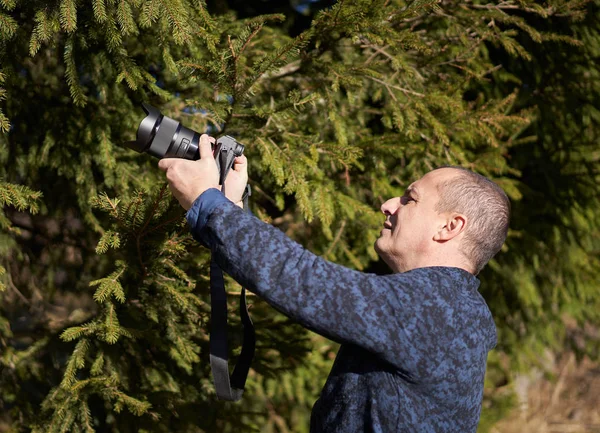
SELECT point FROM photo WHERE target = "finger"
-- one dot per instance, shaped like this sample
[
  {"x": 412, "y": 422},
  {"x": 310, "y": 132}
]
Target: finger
[
  {"x": 165, "y": 163},
  {"x": 212, "y": 139},
  {"x": 205, "y": 147},
  {"x": 240, "y": 163}
]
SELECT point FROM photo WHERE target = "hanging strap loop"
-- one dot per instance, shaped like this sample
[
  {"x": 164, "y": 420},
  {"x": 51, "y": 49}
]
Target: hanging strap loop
[{"x": 228, "y": 388}]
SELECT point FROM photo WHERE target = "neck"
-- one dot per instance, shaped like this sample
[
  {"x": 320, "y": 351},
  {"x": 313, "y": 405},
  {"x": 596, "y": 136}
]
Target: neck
[{"x": 452, "y": 259}]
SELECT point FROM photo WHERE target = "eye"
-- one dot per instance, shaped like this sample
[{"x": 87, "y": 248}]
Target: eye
[{"x": 406, "y": 199}]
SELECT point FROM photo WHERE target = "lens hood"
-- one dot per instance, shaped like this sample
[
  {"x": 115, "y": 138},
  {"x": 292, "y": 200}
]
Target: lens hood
[
  {"x": 147, "y": 129},
  {"x": 163, "y": 137}
]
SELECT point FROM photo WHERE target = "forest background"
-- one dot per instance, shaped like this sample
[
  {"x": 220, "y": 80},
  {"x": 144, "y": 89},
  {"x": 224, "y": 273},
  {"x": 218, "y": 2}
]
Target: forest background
[{"x": 103, "y": 312}]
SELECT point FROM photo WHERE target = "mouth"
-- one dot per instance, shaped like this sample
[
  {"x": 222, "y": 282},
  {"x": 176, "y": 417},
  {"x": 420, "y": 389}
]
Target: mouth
[{"x": 387, "y": 225}]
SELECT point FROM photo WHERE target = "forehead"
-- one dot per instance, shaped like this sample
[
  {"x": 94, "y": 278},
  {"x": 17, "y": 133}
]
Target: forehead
[{"x": 431, "y": 180}]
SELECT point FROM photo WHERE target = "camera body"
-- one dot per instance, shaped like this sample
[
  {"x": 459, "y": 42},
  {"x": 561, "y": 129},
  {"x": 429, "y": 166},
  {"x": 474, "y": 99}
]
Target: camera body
[{"x": 163, "y": 137}]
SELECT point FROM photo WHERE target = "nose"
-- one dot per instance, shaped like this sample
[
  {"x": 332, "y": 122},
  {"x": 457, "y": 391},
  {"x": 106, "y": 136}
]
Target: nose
[{"x": 391, "y": 206}]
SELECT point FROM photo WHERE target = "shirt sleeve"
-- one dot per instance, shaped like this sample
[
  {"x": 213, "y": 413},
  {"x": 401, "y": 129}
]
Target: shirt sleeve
[{"x": 390, "y": 316}]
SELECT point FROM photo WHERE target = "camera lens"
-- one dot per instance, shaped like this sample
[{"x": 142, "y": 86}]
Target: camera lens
[{"x": 163, "y": 137}]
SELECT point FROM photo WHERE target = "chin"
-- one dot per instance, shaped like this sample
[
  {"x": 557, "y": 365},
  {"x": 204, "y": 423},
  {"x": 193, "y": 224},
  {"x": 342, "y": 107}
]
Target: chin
[
  {"x": 384, "y": 254},
  {"x": 380, "y": 249}
]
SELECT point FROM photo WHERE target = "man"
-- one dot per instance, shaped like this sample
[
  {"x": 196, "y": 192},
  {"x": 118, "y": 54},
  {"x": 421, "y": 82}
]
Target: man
[{"x": 414, "y": 344}]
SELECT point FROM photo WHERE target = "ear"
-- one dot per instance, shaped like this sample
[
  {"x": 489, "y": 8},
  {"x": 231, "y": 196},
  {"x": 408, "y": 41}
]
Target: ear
[{"x": 454, "y": 225}]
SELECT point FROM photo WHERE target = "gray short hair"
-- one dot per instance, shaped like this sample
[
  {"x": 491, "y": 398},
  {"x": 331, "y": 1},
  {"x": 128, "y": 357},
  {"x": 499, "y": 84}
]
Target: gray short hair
[{"x": 487, "y": 209}]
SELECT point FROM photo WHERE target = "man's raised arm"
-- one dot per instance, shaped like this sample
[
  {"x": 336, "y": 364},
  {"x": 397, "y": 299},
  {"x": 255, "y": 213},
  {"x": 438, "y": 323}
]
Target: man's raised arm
[{"x": 383, "y": 314}]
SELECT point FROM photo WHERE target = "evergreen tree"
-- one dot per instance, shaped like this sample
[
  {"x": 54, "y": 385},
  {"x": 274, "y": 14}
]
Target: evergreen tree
[
  {"x": 336, "y": 116},
  {"x": 544, "y": 293}
]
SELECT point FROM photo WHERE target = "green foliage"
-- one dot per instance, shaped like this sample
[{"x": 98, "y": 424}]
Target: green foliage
[
  {"x": 336, "y": 116},
  {"x": 19, "y": 197},
  {"x": 4, "y": 124},
  {"x": 550, "y": 273}
]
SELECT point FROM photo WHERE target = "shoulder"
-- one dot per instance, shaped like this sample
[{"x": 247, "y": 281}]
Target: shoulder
[
  {"x": 455, "y": 292},
  {"x": 444, "y": 275},
  {"x": 439, "y": 280}
]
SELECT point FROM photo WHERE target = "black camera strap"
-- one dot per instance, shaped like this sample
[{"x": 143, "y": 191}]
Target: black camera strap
[{"x": 230, "y": 388}]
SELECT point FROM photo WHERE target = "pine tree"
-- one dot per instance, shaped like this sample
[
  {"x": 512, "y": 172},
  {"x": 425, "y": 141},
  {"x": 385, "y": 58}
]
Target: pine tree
[
  {"x": 544, "y": 291},
  {"x": 336, "y": 116}
]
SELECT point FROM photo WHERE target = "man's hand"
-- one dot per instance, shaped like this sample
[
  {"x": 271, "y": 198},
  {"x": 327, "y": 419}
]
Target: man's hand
[{"x": 189, "y": 179}]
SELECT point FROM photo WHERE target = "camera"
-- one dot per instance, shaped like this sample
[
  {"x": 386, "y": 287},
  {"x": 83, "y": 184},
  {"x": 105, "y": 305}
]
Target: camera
[{"x": 163, "y": 137}]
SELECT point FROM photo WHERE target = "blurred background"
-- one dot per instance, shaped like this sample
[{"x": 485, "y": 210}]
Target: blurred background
[{"x": 341, "y": 105}]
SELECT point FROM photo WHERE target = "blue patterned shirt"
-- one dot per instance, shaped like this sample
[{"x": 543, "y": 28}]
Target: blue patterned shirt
[{"x": 414, "y": 345}]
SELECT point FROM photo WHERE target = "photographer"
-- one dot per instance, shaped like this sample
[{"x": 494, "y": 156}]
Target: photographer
[{"x": 414, "y": 344}]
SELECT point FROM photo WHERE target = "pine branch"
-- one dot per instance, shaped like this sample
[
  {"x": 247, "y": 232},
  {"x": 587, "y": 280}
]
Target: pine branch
[
  {"x": 109, "y": 239},
  {"x": 392, "y": 86},
  {"x": 545, "y": 12},
  {"x": 85, "y": 417},
  {"x": 4, "y": 123},
  {"x": 150, "y": 13},
  {"x": 177, "y": 17},
  {"x": 99, "y": 8},
  {"x": 68, "y": 15},
  {"x": 8, "y": 27},
  {"x": 77, "y": 92},
  {"x": 8, "y": 4},
  {"x": 42, "y": 32},
  {"x": 125, "y": 18},
  {"x": 135, "y": 406},
  {"x": 2, "y": 273},
  {"x": 76, "y": 362},
  {"x": 109, "y": 286},
  {"x": 111, "y": 324},
  {"x": 19, "y": 197},
  {"x": 98, "y": 364},
  {"x": 77, "y": 332}
]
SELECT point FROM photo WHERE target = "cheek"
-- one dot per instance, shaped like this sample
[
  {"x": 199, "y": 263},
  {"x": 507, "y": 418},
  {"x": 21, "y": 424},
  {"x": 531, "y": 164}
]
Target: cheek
[
  {"x": 412, "y": 227},
  {"x": 426, "y": 229}
]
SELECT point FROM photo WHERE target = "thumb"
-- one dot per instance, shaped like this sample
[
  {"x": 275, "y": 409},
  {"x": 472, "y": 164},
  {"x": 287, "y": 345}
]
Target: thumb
[
  {"x": 240, "y": 164},
  {"x": 205, "y": 148},
  {"x": 165, "y": 163}
]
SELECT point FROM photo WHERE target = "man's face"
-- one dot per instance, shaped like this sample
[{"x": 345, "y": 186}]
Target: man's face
[{"x": 412, "y": 222}]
